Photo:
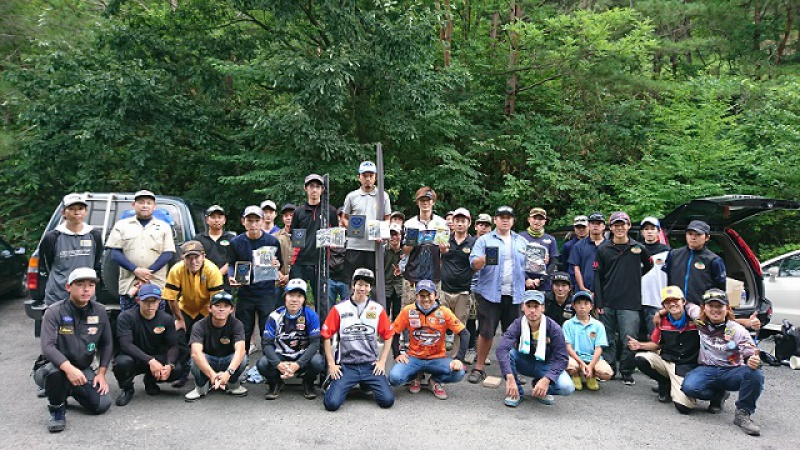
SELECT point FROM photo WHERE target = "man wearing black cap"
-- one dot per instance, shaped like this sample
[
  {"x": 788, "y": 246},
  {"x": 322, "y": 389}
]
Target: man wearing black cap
[
  {"x": 581, "y": 259},
  {"x": 535, "y": 234},
  {"x": 218, "y": 350},
  {"x": 216, "y": 240},
  {"x": 694, "y": 268},
  {"x": 557, "y": 302},
  {"x": 308, "y": 217},
  {"x": 142, "y": 246},
  {"x": 74, "y": 331},
  {"x": 148, "y": 345}
]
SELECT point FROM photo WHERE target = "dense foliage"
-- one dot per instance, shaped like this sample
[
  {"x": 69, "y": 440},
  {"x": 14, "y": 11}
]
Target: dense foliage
[{"x": 571, "y": 105}]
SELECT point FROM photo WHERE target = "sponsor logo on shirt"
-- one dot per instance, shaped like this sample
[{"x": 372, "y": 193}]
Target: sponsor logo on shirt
[
  {"x": 93, "y": 320},
  {"x": 159, "y": 329},
  {"x": 66, "y": 330},
  {"x": 225, "y": 340},
  {"x": 427, "y": 337},
  {"x": 91, "y": 331}
]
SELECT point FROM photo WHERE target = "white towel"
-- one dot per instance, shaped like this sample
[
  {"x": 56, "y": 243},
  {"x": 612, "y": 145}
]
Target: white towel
[{"x": 525, "y": 339}]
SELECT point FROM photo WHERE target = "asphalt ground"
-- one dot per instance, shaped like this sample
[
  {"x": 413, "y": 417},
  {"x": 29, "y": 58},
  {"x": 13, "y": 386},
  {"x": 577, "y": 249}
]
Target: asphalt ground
[{"x": 474, "y": 417}]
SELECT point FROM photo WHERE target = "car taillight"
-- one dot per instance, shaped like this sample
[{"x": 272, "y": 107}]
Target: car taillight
[
  {"x": 748, "y": 254},
  {"x": 33, "y": 273}
]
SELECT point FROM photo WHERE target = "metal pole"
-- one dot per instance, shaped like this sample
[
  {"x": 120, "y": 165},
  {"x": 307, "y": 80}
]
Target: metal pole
[
  {"x": 380, "y": 282},
  {"x": 324, "y": 255}
]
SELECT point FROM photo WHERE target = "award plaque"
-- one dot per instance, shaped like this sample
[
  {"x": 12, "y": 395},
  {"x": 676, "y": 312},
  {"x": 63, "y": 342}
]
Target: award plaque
[
  {"x": 492, "y": 256},
  {"x": 357, "y": 227},
  {"x": 299, "y": 238},
  {"x": 241, "y": 272},
  {"x": 412, "y": 235}
]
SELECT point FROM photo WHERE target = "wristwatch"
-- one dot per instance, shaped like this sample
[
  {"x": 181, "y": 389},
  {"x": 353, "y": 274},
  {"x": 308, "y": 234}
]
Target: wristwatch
[{"x": 231, "y": 372}]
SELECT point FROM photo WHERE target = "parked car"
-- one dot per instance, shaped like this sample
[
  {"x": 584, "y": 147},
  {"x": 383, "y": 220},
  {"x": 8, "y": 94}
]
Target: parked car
[
  {"x": 103, "y": 211},
  {"x": 782, "y": 286},
  {"x": 13, "y": 263}
]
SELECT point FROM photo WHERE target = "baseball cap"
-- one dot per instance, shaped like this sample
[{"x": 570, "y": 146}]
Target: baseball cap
[
  {"x": 253, "y": 210},
  {"x": 367, "y": 166},
  {"x": 73, "y": 199},
  {"x": 214, "y": 208},
  {"x": 425, "y": 285},
  {"x": 269, "y": 204},
  {"x": 504, "y": 210},
  {"x": 580, "y": 220},
  {"x": 597, "y": 217},
  {"x": 652, "y": 221},
  {"x": 144, "y": 193},
  {"x": 222, "y": 296},
  {"x": 715, "y": 295},
  {"x": 561, "y": 276},
  {"x": 484, "y": 218},
  {"x": 149, "y": 290},
  {"x": 427, "y": 194},
  {"x": 288, "y": 207},
  {"x": 699, "y": 226},
  {"x": 365, "y": 275},
  {"x": 582, "y": 295},
  {"x": 534, "y": 296},
  {"x": 619, "y": 216},
  {"x": 394, "y": 227},
  {"x": 398, "y": 214},
  {"x": 538, "y": 212},
  {"x": 82, "y": 273},
  {"x": 672, "y": 292},
  {"x": 296, "y": 284},
  {"x": 192, "y": 248},
  {"x": 449, "y": 213},
  {"x": 314, "y": 177},
  {"x": 462, "y": 212}
]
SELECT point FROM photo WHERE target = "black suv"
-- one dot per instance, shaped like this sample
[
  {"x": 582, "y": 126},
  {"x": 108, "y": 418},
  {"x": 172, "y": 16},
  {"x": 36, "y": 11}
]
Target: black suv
[{"x": 103, "y": 210}]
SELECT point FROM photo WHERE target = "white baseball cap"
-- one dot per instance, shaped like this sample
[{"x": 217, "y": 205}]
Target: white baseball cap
[
  {"x": 74, "y": 199},
  {"x": 82, "y": 273}
]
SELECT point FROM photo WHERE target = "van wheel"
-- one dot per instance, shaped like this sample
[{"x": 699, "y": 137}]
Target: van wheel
[{"x": 110, "y": 273}]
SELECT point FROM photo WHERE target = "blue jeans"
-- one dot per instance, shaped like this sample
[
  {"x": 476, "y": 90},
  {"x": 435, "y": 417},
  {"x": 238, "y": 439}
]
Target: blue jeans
[
  {"x": 439, "y": 368},
  {"x": 336, "y": 289},
  {"x": 353, "y": 374},
  {"x": 219, "y": 364},
  {"x": 309, "y": 373},
  {"x": 529, "y": 366},
  {"x": 622, "y": 322},
  {"x": 711, "y": 382}
]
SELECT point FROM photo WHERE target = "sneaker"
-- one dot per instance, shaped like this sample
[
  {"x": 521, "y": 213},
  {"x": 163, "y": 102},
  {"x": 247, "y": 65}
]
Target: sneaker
[
  {"x": 476, "y": 376},
  {"x": 273, "y": 392},
  {"x": 592, "y": 384},
  {"x": 488, "y": 361},
  {"x": 41, "y": 393},
  {"x": 683, "y": 409},
  {"x": 469, "y": 358},
  {"x": 309, "y": 391},
  {"x": 438, "y": 390},
  {"x": 512, "y": 402},
  {"x": 547, "y": 400},
  {"x": 745, "y": 422},
  {"x": 664, "y": 394},
  {"x": 715, "y": 406},
  {"x": 576, "y": 380},
  {"x": 151, "y": 388},
  {"x": 236, "y": 389},
  {"x": 124, "y": 397},
  {"x": 627, "y": 379},
  {"x": 58, "y": 418},
  {"x": 197, "y": 392},
  {"x": 415, "y": 385}
]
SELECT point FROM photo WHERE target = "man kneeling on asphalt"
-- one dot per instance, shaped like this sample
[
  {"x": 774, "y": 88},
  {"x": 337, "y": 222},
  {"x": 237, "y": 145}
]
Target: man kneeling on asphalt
[
  {"x": 218, "y": 351},
  {"x": 73, "y": 331},
  {"x": 148, "y": 344},
  {"x": 427, "y": 322},
  {"x": 534, "y": 345},
  {"x": 291, "y": 343}
]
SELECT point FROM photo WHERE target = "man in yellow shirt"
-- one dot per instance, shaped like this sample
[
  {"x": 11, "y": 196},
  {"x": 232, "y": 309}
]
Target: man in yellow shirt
[{"x": 190, "y": 285}]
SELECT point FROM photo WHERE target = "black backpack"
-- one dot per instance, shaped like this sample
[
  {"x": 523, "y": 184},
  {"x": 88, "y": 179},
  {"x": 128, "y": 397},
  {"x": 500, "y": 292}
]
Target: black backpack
[{"x": 787, "y": 343}]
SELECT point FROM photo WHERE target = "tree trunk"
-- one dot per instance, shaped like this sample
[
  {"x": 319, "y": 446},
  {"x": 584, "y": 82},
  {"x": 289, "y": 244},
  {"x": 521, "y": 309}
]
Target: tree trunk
[
  {"x": 782, "y": 45},
  {"x": 513, "y": 55}
]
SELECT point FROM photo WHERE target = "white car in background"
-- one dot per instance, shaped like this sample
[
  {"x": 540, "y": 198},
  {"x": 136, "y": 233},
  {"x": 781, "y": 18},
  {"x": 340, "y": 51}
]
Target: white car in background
[{"x": 782, "y": 288}]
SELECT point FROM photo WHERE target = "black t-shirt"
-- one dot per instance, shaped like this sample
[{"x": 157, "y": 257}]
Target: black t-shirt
[
  {"x": 559, "y": 313},
  {"x": 218, "y": 342},
  {"x": 143, "y": 339},
  {"x": 456, "y": 271},
  {"x": 216, "y": 251}
]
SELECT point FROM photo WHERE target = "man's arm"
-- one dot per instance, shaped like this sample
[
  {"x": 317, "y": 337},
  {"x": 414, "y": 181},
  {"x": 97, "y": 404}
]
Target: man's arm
[
  {"x": 49, "y": 338},
  {"x": 126, "y": 344},
  {"x": 123, "y": 261},
  {"x": 558, "y": 350},
  {"x": 163, "y": 259},
  {"x": 309, "y": 352},
  {"x": 97, "y": 239}
]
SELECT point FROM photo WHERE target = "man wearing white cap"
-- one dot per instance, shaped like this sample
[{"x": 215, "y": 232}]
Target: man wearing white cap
[
  {"x": 71, "y": 245},
  {"x": 142, "y": 246},
  {"x": 364, "y": 202},
  {"x": 580, "y": 227},
  {"x": 456, "y": 271},
  {"x": 270, "y": 212},
  {"x": 74, "y": 331}
]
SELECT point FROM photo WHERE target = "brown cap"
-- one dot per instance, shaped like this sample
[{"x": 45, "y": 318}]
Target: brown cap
[
  {"x": 192, "y": 248},
  {"x": 538, "y": 212}
]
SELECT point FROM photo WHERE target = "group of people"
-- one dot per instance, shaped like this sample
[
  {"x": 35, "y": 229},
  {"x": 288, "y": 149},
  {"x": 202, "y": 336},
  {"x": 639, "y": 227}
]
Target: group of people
[{"x": 575, "y": 323}]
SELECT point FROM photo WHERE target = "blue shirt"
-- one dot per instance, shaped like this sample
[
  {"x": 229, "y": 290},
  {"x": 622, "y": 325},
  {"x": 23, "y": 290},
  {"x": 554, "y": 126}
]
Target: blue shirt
[
  {"x": 490, "y": 278},
  {"x": 585, "y": 338},
  {"x": 582, "y": 255}
]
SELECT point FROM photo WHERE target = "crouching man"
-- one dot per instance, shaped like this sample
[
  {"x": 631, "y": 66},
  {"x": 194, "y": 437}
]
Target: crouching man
[
  {"x": 291, "y": 343},
  {"x": 218, "y": 351},
  {"x": 534, "y": 345},
  {"x": 148, "y": 344},
  {"x": 427, "y": 322},
  {"x": 73, "y": 332}
]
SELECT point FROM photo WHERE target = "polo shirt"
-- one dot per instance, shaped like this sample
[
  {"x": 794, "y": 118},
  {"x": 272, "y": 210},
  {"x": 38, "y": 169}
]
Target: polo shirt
[
  {"x": 193, "y": 291},
  {"x": 142, "y": 246},
  {"x": 216, "y": 251},
  {"x": 582, "y": 255},
  {"x": 490, "y": 278},
  {"x": 427, "y": 331},
  {"x": 585, "y": 338},
  {"x": 361, "y": 203}
]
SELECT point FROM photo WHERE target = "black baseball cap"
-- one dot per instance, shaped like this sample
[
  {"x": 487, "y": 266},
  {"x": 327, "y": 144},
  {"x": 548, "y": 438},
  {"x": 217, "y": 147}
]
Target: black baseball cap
[
  {"x": 504, "y": 210},
  {"x": 699, "y": 226},
  {"x": 561, "y": 277},
  {"x": 597, "y": 217}
]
